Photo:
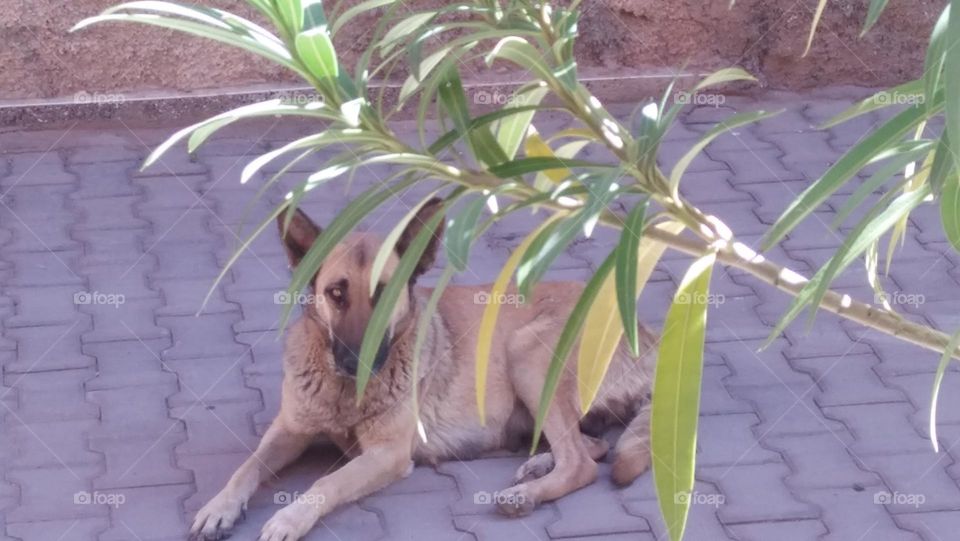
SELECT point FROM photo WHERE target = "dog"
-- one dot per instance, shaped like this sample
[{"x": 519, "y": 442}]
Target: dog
[{"x": 379, "y": 434}]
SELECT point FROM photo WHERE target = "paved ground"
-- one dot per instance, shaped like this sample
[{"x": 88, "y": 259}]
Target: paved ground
[{"x": 123, "y": 412}]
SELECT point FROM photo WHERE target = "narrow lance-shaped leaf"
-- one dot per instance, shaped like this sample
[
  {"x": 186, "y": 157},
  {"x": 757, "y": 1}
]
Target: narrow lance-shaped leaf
[
  {"x": 626, "y": 275},
  {"x": 488, "y": 321},
  {"x": 951, "y": 78},
  {"x": 933, "y": 63},
  {"x": 423, "y": 326},
  {"x": 390, "y": 242},
  {"x": 873, "y": 13},
  {"x": 945, "y": 359},
  {"x": 950, "y": 210},
  {"x": 380, "y": 319},
  {"x": 724, "y": 75},
  {"x": 676, "y": 396},
  {"x": 603, "y": 328},
  {"x": 813, "y": 25}
]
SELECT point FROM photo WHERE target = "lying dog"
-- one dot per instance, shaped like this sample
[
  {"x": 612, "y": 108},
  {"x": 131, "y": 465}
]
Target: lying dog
[{"x": 380, "y": 434}]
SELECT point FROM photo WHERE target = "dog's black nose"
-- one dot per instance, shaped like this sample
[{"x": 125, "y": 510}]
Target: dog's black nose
[{"x": 346, "y": 356}]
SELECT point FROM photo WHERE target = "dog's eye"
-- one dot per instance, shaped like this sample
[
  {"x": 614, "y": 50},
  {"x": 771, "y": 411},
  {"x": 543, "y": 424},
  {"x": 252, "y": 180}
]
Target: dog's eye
[{"x": 336, "y": 294}]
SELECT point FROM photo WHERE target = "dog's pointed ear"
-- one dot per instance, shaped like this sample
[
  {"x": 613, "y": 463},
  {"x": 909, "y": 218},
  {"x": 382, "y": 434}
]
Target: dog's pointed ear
[
  {"x": 300, "y": 235},
  {"x": 423, "y": 216}
]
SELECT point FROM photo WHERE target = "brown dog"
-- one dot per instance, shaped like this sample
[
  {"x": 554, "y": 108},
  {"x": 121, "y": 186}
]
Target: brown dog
[{"x": 380, "y": 435}]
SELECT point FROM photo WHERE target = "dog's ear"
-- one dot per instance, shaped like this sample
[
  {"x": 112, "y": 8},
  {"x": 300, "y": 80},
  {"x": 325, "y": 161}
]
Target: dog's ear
[
  {"x": 423, "y": 216},
  {"x": 300, "y": 235}
]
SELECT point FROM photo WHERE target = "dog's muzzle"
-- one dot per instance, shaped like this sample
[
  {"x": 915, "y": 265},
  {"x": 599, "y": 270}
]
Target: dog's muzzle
[{"x": 346, "y": 357}]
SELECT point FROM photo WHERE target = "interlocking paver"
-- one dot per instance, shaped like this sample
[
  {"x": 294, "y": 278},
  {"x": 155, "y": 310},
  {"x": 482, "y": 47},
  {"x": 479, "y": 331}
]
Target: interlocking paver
[
  {"x": 822, "y": 461},
  {"x": 852, "y": 514}
]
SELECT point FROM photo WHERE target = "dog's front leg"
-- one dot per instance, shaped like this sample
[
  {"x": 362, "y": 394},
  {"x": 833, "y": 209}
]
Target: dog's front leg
[
  {"x": 278, "y": 448},
  {"x": 374, "y": 468}
]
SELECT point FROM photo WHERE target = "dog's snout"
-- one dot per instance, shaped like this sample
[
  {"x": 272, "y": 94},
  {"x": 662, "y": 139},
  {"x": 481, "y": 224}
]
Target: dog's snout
[{"x": 346, "y": 356}]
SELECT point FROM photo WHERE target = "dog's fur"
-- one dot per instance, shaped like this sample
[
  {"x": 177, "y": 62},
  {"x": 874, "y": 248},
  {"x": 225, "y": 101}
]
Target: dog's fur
[{"x": 380, "y": 434}]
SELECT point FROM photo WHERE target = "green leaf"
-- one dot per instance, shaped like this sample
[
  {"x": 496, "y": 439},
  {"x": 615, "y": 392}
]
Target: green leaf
[
  {"x": 945, "y": 359},
  {"x": 316, "y": 51},
  {"x": 517, "y": 50},
  {"x": 383, "y": 311},
  {"x": 873, "y": 13},
  {"x": 950, "y": 210},
  {"x": 390, "y": 242},
  {"x": 951, "y": 78},
  {"x": 676, "y": 392},
  {"x": 512, "y": 129},
  {"x": 907, "y": 92},
  {"x": 356, "y": 10},
  {"x": 910, "y": 153},
  {"x": 522, "y": 166},
  {"x": 734, "y": 121},
  {"x": 626, "y": 273},
  {"x": 404, "y": 28},
  {"x": 426, "y": 321},
  {"x": 851, "y": 162},
  {"x": 933, "y": 63},
  {"x": 571, "y": 330},
  {"x": 482, "y": 143},
  {"x": 553, "y": 241},
  {"x": 943, "y": 164},
  {"x": 291, "y": 12},
  {"x": 724, "y": 75},
  {"x": 461, "y": 232}
]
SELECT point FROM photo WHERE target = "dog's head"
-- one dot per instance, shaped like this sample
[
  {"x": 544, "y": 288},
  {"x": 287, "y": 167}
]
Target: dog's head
[{"x": 342, "y": 302}]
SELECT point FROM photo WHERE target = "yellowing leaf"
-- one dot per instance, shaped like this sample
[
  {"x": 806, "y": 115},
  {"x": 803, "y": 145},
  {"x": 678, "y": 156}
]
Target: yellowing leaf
[
  {"x": 488, "y": 321},
  {"x": 603, "y": 327},
  {"x": 534, "y": 146},
  {"x": 676, "y": 392}
]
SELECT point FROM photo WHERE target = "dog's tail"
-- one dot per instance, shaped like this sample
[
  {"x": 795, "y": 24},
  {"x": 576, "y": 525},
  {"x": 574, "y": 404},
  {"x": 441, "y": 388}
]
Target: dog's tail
[{"x": 632, "y": 453}]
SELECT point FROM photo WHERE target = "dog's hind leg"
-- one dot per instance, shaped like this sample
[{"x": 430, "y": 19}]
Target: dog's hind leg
[
  {"x": 279, "y": 447},
  {"x": 541, "y": 464}
]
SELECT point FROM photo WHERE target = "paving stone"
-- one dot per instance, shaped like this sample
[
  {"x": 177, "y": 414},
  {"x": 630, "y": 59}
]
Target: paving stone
[
  {"x": 529, "y": 528},
  {"x": 822, "y": 461},
  {"x": 935, "y": 525},
  {"x": 848, "y": 380},
  {"x": 128, "y": 363},
  {"x": 715, "y": 399},
  {"x": 210, "y": 381},
  {"x": 185, "y": 297},
  {"x": 207, "y": 335},
  {"x": 755, "y": 165},
  {"x": 426, "y": 515},
  {"x": 794, "y": 530},
  {"x": 727, "y": 440},
  {"x": 474, "y": 477},
  {"x": 185, "y": 261},
  {"x": 104, "y": 179},
  {"x": 754, "y": 493},
  {"x": 139, "y": 462},
  {"x": 850, "y": 514},
  {"x": 594, "y": 510},
  {"x": 149, "y": 513},
  {"x": 51, "y": 396},
  {"x": 109, "y": 213},
  {"x": 123, "y": 320},
  {"x": 177, "y": 228},
  {"x": 54, "y": 494},
  {"x": 47, "y": 348},
  {"x": 880, "y": 429},
  {"x": 918, "y": 388},
  {"x": 80, "y": 529},
  {"x": 43, "y": 268},
  {"x": 110, "y": 149},
  {"x": 128, "y": 280},
  {"x": 262, "y": 309},
  {"x": 751, "y": 365},
  {"x": 52, "y": 445},
  {"x": 269, "y": 386},
  {"x": 786, "y": 410},
  {"x": 135, "y": 411},
  {"x": 171, "y": 192},
  {"x": 916, "y": 482},
  {"x": 210, "y": 474},
  {"x": 52, "y": 305},
  {"x": 217, "y": 428},
  {"x": 105, "y": 247},
  {"x": 260, "y": 273}
]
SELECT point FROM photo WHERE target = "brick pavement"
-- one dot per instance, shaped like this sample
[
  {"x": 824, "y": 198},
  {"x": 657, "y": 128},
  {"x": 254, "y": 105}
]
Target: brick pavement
[{"x": 119, "y": 419}]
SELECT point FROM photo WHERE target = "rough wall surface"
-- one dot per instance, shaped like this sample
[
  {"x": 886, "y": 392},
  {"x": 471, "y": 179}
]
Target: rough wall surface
[{"x": 40, "y": 60}]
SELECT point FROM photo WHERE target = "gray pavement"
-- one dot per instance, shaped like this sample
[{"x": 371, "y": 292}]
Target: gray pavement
[{"x": 123, "y": 411}]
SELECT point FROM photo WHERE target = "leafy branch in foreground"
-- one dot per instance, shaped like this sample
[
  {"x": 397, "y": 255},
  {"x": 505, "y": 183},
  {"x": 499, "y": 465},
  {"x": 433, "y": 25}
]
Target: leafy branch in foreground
[{"x": 476, "y": 163}]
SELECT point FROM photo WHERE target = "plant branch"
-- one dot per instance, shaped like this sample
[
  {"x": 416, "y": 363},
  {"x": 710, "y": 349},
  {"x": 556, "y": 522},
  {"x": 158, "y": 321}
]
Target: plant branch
[{"x": 742, "y": 257}]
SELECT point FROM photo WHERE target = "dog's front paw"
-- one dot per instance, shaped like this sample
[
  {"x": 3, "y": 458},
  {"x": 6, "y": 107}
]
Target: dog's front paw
[
  {"x": 214, "y": 520},
  {"x": 289, "y": 524},
  {"x": 516, "y": 501}
]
